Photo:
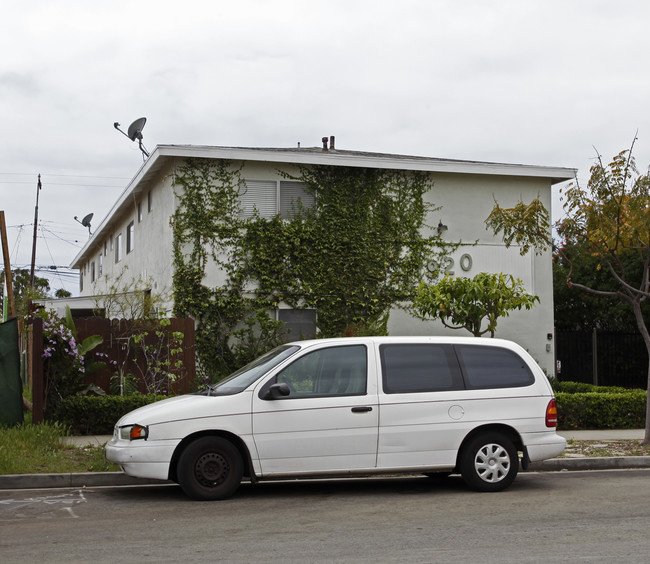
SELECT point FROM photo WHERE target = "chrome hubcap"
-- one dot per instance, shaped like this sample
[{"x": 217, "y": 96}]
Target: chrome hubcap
[{"x": 492, "y": 463}]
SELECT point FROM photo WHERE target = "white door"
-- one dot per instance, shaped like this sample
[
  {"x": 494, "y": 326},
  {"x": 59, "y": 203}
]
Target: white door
[{"x": 329, "y": 420}]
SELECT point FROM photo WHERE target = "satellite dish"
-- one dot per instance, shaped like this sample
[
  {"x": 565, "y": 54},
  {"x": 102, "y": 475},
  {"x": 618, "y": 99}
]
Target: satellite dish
[
  {"x": 135, "y": 129},
  {"x": 86, "y": 220},
  {"x": 135, "y": 132}
]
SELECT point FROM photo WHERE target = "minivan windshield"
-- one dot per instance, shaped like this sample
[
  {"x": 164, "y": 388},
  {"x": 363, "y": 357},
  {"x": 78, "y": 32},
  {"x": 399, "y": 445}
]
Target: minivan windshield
[{"x": 245, "y": 376}]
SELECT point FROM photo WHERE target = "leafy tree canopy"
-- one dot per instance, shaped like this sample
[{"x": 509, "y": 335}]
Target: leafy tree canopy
[
  {"x": 583, "y": 311},
  {"x": 475, "y": 303},
  {"x": 23, "y": 292},
  {"x": 610, "y": 219}
]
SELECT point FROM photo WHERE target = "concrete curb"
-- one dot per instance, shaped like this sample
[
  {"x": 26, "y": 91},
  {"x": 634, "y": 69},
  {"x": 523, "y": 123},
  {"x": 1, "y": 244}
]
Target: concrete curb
[
  {"x": 97, "y": 479},
  {"x": 586, "y": 463},
  {"x": 76, "y": 480}
]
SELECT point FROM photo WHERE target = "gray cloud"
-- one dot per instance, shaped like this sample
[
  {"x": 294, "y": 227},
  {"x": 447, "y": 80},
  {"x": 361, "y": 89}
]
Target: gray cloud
[{"x": 511, "y": 81}]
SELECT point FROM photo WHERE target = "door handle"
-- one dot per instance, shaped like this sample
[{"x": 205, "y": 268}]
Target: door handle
[{"x": 361, "y": 409}]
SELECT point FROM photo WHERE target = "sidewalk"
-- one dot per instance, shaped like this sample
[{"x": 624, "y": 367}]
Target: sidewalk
[
  {"x": 603, "y": 435},
  {"x": 95, "y": 479}
]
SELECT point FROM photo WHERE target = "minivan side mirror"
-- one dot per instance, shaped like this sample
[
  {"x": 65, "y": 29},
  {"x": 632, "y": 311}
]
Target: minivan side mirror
[{"x": 278, "y": 391}]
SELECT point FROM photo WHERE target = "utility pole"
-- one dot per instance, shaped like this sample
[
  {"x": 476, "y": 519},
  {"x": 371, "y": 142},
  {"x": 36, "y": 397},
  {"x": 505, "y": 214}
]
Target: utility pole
[
  {"x": 5, "y": 253},
  {"x": 31, "y": 276}
]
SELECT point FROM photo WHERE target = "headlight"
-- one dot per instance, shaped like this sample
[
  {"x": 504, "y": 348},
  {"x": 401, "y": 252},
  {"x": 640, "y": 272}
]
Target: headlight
[{"x": 134, "y": 432}]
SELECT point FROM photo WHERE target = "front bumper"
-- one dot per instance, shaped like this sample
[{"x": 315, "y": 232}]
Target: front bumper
[{"x": 142, "y": 459}]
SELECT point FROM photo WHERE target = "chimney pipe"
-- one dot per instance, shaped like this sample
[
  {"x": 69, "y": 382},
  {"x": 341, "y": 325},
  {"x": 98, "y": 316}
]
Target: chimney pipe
[
  {"x": 324, "y": 140},
  {"x": 332, "y": 142}
]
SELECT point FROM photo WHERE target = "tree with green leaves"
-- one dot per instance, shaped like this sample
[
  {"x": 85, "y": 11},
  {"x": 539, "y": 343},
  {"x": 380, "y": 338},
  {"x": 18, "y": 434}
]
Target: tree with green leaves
[
  {"x": 583, "y": 311},
  {"x": 23, "y": 291},
  {"x": 611, "y": 218},
  {"x": 475, "y": 304}
]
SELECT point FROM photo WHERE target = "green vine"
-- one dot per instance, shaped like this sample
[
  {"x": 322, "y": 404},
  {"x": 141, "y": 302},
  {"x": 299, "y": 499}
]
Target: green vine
[{"x": 361, "y": 249}]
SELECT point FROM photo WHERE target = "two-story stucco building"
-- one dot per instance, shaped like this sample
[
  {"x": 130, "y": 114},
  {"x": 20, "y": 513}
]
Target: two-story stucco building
[{"x": 135, "y": 238}]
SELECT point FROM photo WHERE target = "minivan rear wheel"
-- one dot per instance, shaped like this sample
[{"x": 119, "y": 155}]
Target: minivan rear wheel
[
  {"x": 489, "y": 462},
  {"x": 210, "y": 468}
]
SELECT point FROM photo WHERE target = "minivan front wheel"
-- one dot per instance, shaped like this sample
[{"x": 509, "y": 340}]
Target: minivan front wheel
[
  {"x": 489, "y": 462},
  {"x": 210, "y": 468}
]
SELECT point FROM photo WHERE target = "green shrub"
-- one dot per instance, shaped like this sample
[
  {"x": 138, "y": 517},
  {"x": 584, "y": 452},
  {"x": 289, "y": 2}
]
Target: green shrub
[
  {"x": 97, "y": 415},
  {"x": 601, "y": 410},
  {"x": 583, "y": 388}
]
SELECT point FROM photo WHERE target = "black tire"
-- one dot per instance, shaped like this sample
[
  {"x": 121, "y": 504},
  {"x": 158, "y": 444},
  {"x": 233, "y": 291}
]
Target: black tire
[
  {"x": 489, "y": 462},
  {"x": 210, "y": 468}
]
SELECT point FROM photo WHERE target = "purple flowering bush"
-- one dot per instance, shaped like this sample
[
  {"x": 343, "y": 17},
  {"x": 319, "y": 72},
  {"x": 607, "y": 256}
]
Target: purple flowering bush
[{"x": 65, "y": 360}]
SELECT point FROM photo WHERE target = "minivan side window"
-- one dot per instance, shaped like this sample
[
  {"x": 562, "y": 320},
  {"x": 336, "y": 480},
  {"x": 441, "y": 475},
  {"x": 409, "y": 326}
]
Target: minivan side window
[
  {"x": 493, "y": 367},
  {"x": 408, "y": 368},
  {"x": 332, "y": 371}
]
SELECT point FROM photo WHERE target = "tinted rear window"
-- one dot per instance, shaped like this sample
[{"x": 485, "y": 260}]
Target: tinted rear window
[
  {"x": 493, "y": 367},
  {"x": 419, "y": 368}
]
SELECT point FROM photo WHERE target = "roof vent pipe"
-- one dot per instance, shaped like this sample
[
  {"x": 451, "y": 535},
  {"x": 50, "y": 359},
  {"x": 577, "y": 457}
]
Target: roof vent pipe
[
  {"x": 332, "y": 142},
  {"x": 324, "y": 140}
]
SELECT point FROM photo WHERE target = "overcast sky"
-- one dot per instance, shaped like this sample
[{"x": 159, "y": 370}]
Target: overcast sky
[{"x": 530, "y": 82}]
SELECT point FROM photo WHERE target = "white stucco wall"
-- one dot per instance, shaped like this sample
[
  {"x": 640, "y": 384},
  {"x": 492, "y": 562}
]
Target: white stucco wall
[
  {"x": 149, "y": 264},
  {"x": 466, "y": 202}
]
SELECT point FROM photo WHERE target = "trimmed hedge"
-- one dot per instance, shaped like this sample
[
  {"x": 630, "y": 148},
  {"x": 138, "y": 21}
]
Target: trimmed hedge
[
  {"x": 97, "y": 415},
  {"x": 583, "y": 388},
  {"x": 585, "y": 406},
  {"x": 580, "y": 406}
]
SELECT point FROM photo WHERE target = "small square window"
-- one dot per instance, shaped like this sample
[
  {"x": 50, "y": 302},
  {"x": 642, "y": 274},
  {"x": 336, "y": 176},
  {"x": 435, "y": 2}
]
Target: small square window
[{"x": 299, "y": 323}]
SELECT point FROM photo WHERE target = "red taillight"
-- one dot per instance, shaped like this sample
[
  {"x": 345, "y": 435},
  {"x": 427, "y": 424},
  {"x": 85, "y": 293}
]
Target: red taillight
[{"x": 551, "y": 414}]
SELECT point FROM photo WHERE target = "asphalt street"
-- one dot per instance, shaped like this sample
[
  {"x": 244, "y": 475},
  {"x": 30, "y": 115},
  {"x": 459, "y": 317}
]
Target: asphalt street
[{"x": 600, "y": 516}]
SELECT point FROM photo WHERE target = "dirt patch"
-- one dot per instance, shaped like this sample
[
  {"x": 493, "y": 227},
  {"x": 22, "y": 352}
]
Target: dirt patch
[{"x": 585, "y": 449}]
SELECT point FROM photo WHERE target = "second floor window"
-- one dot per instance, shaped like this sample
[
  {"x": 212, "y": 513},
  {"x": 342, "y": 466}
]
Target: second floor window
[
  {"x": 272, "y": 197},
  {"x": 130, "y": 237},
  {"x": 118, "y": 248}
]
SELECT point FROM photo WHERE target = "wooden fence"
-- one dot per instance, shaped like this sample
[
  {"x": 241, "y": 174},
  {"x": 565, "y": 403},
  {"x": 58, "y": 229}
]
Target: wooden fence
[{"x": 119, "y": 354}]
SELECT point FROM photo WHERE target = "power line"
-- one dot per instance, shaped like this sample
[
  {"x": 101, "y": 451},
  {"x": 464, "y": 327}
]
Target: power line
[
  {"x": 50, "y": 252},
  {"x": 84, "y": 184},
  {"x": 65, "y": 175}
]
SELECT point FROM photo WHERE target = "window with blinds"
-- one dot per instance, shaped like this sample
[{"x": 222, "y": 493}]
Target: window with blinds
[
  {"x": 271, "y": 197},
  {"x": 290, "y": 194}
]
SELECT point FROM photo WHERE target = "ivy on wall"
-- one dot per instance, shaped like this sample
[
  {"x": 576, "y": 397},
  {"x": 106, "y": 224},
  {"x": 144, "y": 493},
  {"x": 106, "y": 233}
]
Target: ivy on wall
[{"x": 361, "y": 249}]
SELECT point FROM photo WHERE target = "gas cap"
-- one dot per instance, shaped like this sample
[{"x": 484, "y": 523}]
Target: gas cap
[{"x": 456, "y": 412}]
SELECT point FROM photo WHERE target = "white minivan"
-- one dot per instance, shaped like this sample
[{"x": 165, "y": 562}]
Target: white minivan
[{"x": 351, "y": 406}]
